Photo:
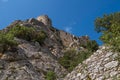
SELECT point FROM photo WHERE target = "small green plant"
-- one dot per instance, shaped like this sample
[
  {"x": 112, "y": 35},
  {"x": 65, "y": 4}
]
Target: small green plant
[{"x": 50, "y": 75}]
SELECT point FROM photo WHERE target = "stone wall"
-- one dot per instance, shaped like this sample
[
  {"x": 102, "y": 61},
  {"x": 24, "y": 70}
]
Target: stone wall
[{"x": 102, "y": 65}]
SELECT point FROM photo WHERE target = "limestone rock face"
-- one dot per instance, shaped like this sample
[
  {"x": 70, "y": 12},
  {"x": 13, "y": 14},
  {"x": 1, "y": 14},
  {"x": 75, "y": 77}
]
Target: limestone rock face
[
  {"x": 45, "y": 19},
  {"x": 32, "y": 61},
  {"x": 56, "y": 39},
  {"x": 70, "y": 40},
  {"x": 102, "y": 65},
  {"x": 29, "y": 63}
]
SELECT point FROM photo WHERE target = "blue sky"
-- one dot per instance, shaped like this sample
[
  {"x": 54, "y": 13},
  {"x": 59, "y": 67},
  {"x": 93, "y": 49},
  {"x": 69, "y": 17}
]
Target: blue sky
[{"x": 74, "y": 16}]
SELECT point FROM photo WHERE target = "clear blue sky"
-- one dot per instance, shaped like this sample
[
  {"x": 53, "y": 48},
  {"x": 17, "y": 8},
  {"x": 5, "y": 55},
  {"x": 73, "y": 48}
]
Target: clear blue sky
[{"x": 74, "y": 16}]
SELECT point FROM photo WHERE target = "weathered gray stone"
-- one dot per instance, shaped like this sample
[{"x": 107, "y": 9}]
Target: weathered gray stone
[
  {"x": 100, "y": 66},
  {"x": 111, "y": 64},
  {"x": 114, "y": 73},
  {"x": 79, "y": 74},
  {"x": 108, "y": 54}
]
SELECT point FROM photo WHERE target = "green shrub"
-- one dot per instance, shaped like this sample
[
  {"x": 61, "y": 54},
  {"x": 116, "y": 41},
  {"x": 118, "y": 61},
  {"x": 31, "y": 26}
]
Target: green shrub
[
  {"x": 22, "y": 32},
  {"x": 71, "y": 59},
  {"x": 39, "y": 37},
  {"x": 50, "y": 75},
  {"x": 28, "y": 33},
  {"x": 91, "y": 45},
  {"x": 7, "y": 42}
]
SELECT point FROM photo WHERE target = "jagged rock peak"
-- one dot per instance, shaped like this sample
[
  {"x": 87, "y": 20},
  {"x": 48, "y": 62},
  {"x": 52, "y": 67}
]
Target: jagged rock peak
[{"x": 45, "y": 19}]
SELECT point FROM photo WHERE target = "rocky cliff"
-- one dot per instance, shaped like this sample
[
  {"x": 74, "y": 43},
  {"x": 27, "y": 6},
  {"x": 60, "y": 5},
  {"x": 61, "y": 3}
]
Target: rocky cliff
[{"x": 32, "y": 60}]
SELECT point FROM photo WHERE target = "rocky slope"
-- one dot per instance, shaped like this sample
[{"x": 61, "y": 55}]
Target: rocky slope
[
  {"x": 32, "y": 60},
  {"x": 102, "y": 65},
  {"x": 57, "y": 40}
]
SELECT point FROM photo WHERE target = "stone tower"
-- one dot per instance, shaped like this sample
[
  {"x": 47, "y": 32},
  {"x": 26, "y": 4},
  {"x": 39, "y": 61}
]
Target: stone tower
[{"x": 45, "y": 20}]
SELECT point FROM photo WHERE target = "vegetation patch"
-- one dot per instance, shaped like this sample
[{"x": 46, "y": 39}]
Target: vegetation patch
[
  {"x": 72, "y": 58},
  {"x": 28, "y": 33},
  {"x": 7, "y": 41},
  {"x": 91, "y": 45},
  {"x": 50, "y": 75}
]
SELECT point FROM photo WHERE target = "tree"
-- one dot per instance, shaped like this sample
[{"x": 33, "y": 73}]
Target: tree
[{"x": 109, "y": 26}]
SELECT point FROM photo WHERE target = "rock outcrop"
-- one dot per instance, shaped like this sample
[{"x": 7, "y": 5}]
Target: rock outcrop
[
  {"x": 56, "y": 40},
  {"x": 32, "y": 61},
  {"x": 45, "y": 19},
  {"x": 102, "y": 65},
  {"x": 28, "y": 63}
]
